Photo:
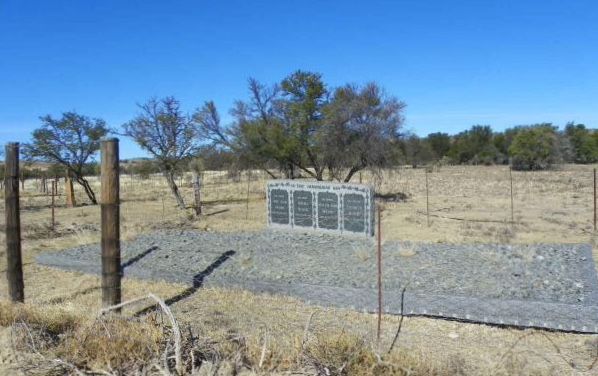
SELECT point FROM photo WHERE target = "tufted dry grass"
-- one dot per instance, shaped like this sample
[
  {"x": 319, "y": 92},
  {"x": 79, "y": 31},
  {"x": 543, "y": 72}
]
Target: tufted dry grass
[{"x": 267, "y": 333}]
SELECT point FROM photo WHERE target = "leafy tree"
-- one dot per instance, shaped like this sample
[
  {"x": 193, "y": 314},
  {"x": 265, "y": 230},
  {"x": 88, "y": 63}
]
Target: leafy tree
[
  {"x": 71, "y": 141},
  {"x": 55, "y": 170},
  {"x": 30, "y": 172},
  {"x": 144, "y": 168},
  {"x": 219, "y": 159},
  {"x": 534, "y": 148},
  {"x": 299, "y": 126},
  {"x": 210, "y": 129},
  {"x": 440, "y": 143},
  {"x": 197, "y": 166},
  {"x": 91, "y": 169},
  {"x": 565, "y": 148},
  {"x": 170, "y": 136},
  {"x": 594, "y": 136},
  {"x": 362, "y": 129},
  {"x": 584, "y": 146},
  {"x": 417, "y": 150},
  {"x": 259, "y": 134},
  {"x": 304, "y": 97},
  {"x": 474, "y": 146},
  {"x": 501, "y": 143}
]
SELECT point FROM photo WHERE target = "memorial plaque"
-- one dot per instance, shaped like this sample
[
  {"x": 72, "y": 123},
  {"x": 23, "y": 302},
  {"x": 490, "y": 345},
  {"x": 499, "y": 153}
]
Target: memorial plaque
[
  {"x": 328, "y": 210},
  {"x": 279, "y": 206},
  {"x": 354, "y": 212},
  {"x": 338, "y": 208},
  {"x": 303, "y": 213}
]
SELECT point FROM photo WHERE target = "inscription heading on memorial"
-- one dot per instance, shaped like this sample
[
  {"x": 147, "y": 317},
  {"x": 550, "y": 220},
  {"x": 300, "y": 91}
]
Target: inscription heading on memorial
[{"x": 322, "y": 206}]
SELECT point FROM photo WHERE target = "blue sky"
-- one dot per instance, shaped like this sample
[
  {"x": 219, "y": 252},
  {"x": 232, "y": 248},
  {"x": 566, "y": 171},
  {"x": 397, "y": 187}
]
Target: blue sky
[{"x": 455, "y": 63}]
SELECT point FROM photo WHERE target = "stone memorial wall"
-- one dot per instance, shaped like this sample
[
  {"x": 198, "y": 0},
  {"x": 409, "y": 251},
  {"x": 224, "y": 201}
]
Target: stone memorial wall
[{"x": 321, "y": 206}]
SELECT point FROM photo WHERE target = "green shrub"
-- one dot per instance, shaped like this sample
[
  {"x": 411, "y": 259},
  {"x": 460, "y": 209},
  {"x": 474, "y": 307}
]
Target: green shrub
[{"x": 534, "y": 148}]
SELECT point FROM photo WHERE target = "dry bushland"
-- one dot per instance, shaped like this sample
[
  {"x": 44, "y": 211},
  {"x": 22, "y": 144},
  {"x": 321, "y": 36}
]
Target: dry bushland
[{"x": 60, "y": 330}]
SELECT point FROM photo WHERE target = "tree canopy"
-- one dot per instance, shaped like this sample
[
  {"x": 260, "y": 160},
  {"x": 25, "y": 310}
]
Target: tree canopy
[
  {"x": 170, "y": 136},
  {"x": 534, "y": 148},
  {"x": 70, "y": 141},
  {"x": 301, "y": 126},
  {"x": 481, "y": 145}
]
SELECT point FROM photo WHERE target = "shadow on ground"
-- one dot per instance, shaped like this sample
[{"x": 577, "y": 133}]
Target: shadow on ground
[
  {"x": 137, "y": 258},
  {"x": 198, "y": 280}
]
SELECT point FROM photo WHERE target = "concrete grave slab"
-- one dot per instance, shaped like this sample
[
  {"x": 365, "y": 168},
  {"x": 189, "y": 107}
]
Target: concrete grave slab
[
  {"x": 344, "y": 209},
  {"x": 550, "y": 286}
]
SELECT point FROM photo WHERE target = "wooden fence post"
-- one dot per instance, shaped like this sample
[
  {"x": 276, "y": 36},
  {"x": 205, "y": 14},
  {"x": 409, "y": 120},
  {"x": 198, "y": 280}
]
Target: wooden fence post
[
  {"x": 69, "y": 191},
  {"x": 196, "y": 193},
  {"x": 14, "y": 267},
  {"x": 110, "y": 207}
]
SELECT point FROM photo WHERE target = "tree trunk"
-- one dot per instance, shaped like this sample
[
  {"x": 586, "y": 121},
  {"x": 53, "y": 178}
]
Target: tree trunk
[
  {"x": 331, "y": 174},
  {"x": 352, "y": 172},
  {"x": 197, "y": 193},
  {"x": 85, "y": 184},
  {"x": 270, "y": 173},
  {"x": 290, "y": 171},
  {"x": 174, "y": 189},
  {"x": 319, "y": 174},
  {"x": 306, "y": 170}
]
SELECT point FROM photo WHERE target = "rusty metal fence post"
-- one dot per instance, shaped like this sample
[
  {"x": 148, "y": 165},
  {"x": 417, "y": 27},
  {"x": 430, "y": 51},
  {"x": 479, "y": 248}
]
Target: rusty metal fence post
[
  {"x": 54, "y": 184},
  {"x": 427, "y": 200},
  {"x": 379, "y": 254},
  {"x": 247, "y": 197},
  {"x": 110, "y": 207},
  {"x": 512, "y": 206},
  {"x": 14, "y": 267}
]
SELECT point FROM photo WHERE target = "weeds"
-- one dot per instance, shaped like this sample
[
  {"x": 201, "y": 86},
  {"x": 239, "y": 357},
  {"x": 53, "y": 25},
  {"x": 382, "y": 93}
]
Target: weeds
[{"x": 116, "y": 345}]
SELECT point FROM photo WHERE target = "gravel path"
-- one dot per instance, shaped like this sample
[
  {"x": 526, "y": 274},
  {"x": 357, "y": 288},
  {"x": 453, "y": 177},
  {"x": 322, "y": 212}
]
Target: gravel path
[{"x": 543, "y": 285}]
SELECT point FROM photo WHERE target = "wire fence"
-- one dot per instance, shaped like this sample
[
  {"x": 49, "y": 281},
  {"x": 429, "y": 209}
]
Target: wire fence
[{"x": 460, "y": 203}]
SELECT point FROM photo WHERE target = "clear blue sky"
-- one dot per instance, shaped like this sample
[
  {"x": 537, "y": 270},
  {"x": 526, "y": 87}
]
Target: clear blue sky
[{"x": 455, "y": 63}]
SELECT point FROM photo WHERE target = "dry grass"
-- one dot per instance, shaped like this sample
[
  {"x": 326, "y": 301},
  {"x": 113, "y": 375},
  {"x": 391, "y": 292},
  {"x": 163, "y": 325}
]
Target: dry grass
[
  {"x": 59, "y": 342},
  {"x": 267, "y": 333},
  {"x": 122, "y": 344},
  {"x": 55, "y": 321}
]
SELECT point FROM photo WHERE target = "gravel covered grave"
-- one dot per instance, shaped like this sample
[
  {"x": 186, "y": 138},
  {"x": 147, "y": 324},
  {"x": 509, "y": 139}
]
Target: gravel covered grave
[{"x": 542, "y": 285}]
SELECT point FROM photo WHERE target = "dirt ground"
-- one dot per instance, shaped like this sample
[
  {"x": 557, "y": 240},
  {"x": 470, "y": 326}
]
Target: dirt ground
[{"x": 466, "y": 204}]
